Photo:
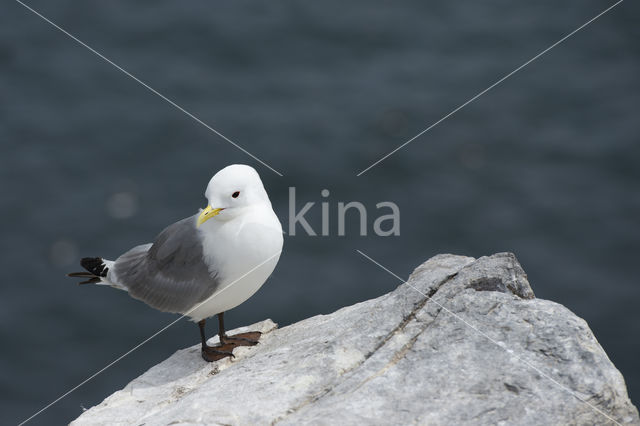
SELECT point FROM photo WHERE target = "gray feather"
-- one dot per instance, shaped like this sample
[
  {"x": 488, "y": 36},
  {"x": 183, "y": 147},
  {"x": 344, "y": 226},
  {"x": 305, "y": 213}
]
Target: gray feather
[{"x": 170, "y": 274}]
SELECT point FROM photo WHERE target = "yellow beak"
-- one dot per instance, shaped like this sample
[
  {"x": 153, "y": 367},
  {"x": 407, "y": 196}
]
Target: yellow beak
[{"x": 207, "y": 214}]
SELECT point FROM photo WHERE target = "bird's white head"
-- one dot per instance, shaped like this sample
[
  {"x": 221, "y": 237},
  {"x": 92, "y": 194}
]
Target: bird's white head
[{"x": 231, "y": 191}]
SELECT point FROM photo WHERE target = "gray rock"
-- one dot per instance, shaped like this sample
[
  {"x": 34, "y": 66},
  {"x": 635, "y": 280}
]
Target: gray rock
[{"x": 464, "y": 341}]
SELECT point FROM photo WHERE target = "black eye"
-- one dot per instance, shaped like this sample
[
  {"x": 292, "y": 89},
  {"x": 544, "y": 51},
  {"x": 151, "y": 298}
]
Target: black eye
[{"x": 235, "y": 194}]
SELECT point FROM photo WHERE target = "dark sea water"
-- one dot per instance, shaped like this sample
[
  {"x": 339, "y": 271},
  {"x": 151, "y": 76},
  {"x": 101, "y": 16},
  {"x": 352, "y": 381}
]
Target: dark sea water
[{"x": 545, "y": 165}]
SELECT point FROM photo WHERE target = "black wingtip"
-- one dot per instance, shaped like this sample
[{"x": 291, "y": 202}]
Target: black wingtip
[
  {"x": 83, "y": 274},
  {"x": 95, "y": 265},
  {"x": 93, "y": 280}
]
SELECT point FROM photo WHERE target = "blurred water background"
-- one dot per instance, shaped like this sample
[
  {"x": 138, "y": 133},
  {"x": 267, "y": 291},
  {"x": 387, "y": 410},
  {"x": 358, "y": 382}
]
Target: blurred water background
[{"x": 91, "y": 163}]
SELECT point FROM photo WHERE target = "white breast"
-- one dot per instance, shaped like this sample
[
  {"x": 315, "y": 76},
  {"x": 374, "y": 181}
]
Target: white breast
[{"x": 243, "y": 252}]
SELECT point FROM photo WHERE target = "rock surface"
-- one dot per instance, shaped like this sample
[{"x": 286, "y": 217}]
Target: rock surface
[{"x": 464, "y": 341}]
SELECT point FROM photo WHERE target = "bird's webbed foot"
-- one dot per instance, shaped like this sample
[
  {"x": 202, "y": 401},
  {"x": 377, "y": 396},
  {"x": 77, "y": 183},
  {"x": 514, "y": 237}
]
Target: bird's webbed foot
[
  {"x": 216, "y": 353},
  {"x": 242, "y": 339}
]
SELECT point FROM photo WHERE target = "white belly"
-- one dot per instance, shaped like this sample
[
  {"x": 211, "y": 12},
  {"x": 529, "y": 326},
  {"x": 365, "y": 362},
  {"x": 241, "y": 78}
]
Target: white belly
[
  {"x": 244, "y": 257},
  {"x": 234, "y": 292}
]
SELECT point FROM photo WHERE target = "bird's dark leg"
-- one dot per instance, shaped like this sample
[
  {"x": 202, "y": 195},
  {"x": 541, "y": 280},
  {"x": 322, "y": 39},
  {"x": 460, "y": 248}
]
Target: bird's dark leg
[
  {"x": 202, "y": 334},
  {"x": 241, "y": 339},
  {"x": 213, "y": 353},
  {"x": 221, "y": 334}
]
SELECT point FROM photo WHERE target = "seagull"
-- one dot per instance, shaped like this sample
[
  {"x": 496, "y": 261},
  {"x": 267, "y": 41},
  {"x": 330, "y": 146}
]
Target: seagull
[{"x": 205, "y": 264}]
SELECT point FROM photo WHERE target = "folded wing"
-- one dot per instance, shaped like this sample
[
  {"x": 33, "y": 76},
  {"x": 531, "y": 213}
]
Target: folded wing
[{"x": 170, "y": 274}]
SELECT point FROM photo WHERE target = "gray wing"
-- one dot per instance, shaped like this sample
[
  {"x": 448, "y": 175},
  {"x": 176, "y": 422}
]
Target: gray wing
[{"x": 170, "y": 274}]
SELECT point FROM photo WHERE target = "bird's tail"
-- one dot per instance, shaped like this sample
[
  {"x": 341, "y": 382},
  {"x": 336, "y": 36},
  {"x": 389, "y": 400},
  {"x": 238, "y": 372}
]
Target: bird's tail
[{"x": 96, "y": 270}]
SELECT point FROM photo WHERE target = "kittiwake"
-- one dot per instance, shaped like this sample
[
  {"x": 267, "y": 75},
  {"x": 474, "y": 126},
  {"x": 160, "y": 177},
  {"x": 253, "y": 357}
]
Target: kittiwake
[{"x": 207, "y": 263}]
